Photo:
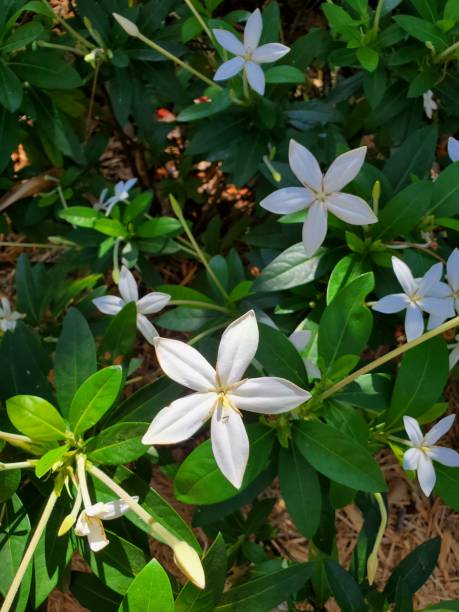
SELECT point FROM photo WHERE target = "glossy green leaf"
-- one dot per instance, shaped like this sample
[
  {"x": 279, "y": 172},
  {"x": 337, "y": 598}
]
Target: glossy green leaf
[
  {"x": 94, "y": 397},
  {"x": 162, "y": 226},
  {"x": 150, "y": 591},
  {"x": 338, "y": 456},
  {"x": 35, "y": 417},
  {"x": 46, "y": 462},
  {"x": 46, "y": 69},
  {"x": 145, "y": 403},
  {"x": 404, "y": 211},
  {"x": 93, "y": 594},
  {"x": 279, "y": 357},
  {"x": 10, "y": 88},
  {"x": 121, "y": 333},
  {"x": 368, "y": 58},
  {"x": 284, "y": 74},
  {"x": 82, "y": 216},
  {"x": 118, "y": 444},
  {"x": 345, "y": 589},
  {"x": 446, "y": 192},
  {"x": 423, "y": 31},
  {"x": 9, "y": 483},
  {"x": 346, "y": 270}
]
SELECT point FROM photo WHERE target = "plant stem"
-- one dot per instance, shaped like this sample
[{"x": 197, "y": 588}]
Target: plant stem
[
  {"x": 372, "y": 563},
  {"x": 199, "y": 17},
  {"x": 179, "y": 214},
  {"x": 32, "y": 245},
  {"x": 245, "y": 86},
  {"x": 82, "y": 484},
  {"x": 14, "y": 588},
  {"x": 48, "y": 45},
  {"x": 11, "y": 437},
  {"x": 203, "y": 305},
  {"x": 385, "y": 358},
  {"x": 17, "y": 465},
  {"x": 67, "y": 27},
  {"x": 178, "y": 61},
  {"x": 377, "y": 16},
  {"x": 444, "y": 54}
]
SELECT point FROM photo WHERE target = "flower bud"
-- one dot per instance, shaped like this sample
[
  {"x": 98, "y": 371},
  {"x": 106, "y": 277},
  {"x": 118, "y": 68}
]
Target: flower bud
[
  {"x": 127, "y": 25},
  {"x": 188, "y": 561},
  {"x": 372, "y": 566},
  {"x": 66, "y": 524}
]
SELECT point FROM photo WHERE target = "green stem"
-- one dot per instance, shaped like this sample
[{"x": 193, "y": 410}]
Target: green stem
[
  {"x": 18, "y": 465},
  {"x": 444, "y": 54},
  {"x": 179, "y": 214},
  {"x": 69, "y": 28},
  {"x": 245, "y": 86},
  {"x": 372, "y": 563},
  {"x": 32, "y": 245},
  {"x": 203, "y": 305},
  {"x": 385, "y": 358},
  {"x": 11, "y": 437},
  {"x": 199, "y": 17},
  {"x": 377, "y": 16},
  {"x": 47, "y": 45},
  {"x": 26, "y": 559}
]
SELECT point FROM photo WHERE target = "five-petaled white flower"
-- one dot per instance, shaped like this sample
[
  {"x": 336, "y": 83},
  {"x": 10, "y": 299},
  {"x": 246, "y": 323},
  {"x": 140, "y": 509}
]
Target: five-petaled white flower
[
  {"x": 429, "y": 103},
  {"x": 321, "y": 194},
  {"x": 453, "y": 149},
  {"x": 149, "y": 304},
  {"x": 122, "y": 189},
  {"x": 8, "y": 317},
  {"x": 221, "y": 394},
  {"x": 300, "y": 340},
  {"x": 419, "y": 456},
  {"x": 89, "y": 522},
  {"x": 426, "y": 294},
  {"x": 249, "y": 55}
]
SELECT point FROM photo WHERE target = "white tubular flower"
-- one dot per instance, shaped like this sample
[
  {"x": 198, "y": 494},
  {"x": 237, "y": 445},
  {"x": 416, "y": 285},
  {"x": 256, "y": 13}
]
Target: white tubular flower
[
  {"x": 454, "y": 355},
  {"x": 122, "y": 189},
  {"x": 149, "y": 304},
  {"x": 321, "y": 194},
  {"x": 8, "y": 317},
  {"x": 429, "y": 103},
  {"x": 300, "y": 340},
  {"x": 453, "y": 149},
  {"x": 249, "y": 55},
  {"x": 426, "y": 294},
  {"x": 89, "y": 522},
  {"x": 221, "y": 394},
  {"x": 419, "y": 457}
]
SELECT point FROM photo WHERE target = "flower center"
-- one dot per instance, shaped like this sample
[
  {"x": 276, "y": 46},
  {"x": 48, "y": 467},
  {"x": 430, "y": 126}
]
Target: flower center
[
  {"x": 321, "y": 196},
  {"x": 247, "y": 56}
]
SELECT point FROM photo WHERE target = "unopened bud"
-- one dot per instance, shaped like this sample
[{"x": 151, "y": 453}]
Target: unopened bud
[
  {"x": 372, "y": 566},
  {"x": 127, "y": 25},
  {"x": 188, "y": 561},
  {"x": 66, "y": 524}
]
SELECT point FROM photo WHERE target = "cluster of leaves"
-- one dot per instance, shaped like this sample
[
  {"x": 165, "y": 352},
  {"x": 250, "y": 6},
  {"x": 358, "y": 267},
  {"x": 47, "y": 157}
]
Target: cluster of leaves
[{"x": 66, "y": 86}]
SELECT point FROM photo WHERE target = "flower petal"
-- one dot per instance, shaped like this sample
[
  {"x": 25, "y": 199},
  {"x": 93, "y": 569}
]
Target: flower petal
[
  {"x": 440, "y": 307},
  {"x": 81, "y": 526},
  {"x": 453, "y": 357},
  {"x": 315, "y": 228},
  {"x": 445, "y": 456},
  {"x": 185, "y": 364},
  {"x": 252, "y": 31},
  {"x": 430, "y": 278},
  {"x": 413, "y": 430},
  {"x": 128, "y": 286},
  {"x": 404, "y": 276},
  {"x": 229, "y": 69},
  {"x": 96, "y": 536},
  {"x": 108, "y": 304},
  {"x": 269, "y": 53},
  {"x": 238, "y": 346},
  {"x": 395, "y": 302},
  {"x": 268, "y": 395},
  {"x": 129, "y": 184},
  {"x": 304, "y": 166},
  {"x": 344, "y": 169},
  {"x": 452, "y": 265},
  {"x": 181, "y": 419},
  {"x": 440, "y": 290},
  {"x": 453, "y": 149},
  {"x": 351, "y": 209},
  {"x": 312, "y": 369},
  {"x": 439, "y": 430},
  {"x": 411, "y": 459},
  {"x": 115, "y": 509},
  {"x": 153, "y": 302},
  {"x": 255, "y": 77},
  {"x": 147, "y": 329},
  {"x": 230, "y": 444},
  {"x": 6, "y": 306},
  {"x": 414, "y": 322},
  {"x": 300, "y": 339},
  {"x": 288, "y": 200},
  {"x": 229, "y": 41},
  {"x": 434, "y": 321},
  {"x": 426, "y": 474}
]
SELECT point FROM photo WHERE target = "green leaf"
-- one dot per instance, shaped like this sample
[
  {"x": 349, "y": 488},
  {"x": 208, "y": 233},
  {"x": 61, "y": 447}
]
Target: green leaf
[
  {"x": 420, "y": 381},
  {"x": 374, "y": 86},
  {"x": 219, "y": 102},
  {"x": 110, "y": 227},
  {"x": 368, "y": 58},
  {"x": 46, "y": 69},
  {"x": 188, "y": 319},
  {"x": 118, "y": 444},
  {"x": 339, "y": 457},
  {"x": 138, "y": 206},
  {"x": 423, "y": 30},
  {"x": 284, "y": 74},
  {"x": 10, "y": 88},
  {"x": 14, "y": 535},
  {"x": 121, "y": 334},
  {"x": 405, "y": 210},
  {"x": 82, "y": 216},
  {"x": 75, "y": 358},
  {"x": 199, "y": 480},
  {"x": 446, "y": 192},
  {"x": 35, "y": 417},
  {"x": 31, "y": 289},
  {"x": 92, "y": 593},
  {"x": 447, "y": 485},
  {"x": 162, "y": 226},
  {"x": 145, "y": 403},
  {"x": 177, "y": 292},
  {"x": 279, "y": 357},
  {"x": 266, "y": 592},
  {"x": 9, "y": 483},
  {"x": 346, "y": 323},
  {"x": 10, "y": 137},
  {"x": 346, "y": 270},
  {"x": 150, "y": 591},
  {"x": 300, "y": 488},
  {"x": 22, "y": 36},
  {"x": 94, "y": 397},
  {"x": 192, "y": 599},
  {"x": 46, "y": 462},
  {"x": 291, "y": 269},
  {"x": 345, "y": 589}
]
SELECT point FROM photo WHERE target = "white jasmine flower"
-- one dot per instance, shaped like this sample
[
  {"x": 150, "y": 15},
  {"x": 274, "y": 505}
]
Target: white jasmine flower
[
  {"x": 454, "y": 355},
  {"x": 419, "y": 457},
  {"x": 300, "y": 340},
  {"x": 249, "y": 55},
  {"x": 321, "y": 194},
  {"x": 451, "y": 290},
  {"x": 122, "y": 189},
  {"x": 220, "y": 395},
  {"x": 453, "y": 149},
  {"x": 89, "y": 522},
  {"x": 8, "y": 317},
  {"x": 149, "y": 304},
  {"x": 426, "y": 294},
  {"x": 429, "y": 103}
]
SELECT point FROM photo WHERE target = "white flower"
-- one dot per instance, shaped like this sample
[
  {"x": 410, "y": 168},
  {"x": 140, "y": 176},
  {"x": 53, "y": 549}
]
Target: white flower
[
  {"x": 321, "y": 194},
  {"x": 8, "y": 317},
  {"x": 451, "y": 290},
  {"x": 149, "y": 304},
  {"x": 429, "y": 103},
  {"x": 89, "y": 522},
  {"x": 420, "y": 456},
  {"x": 453, "y": 149},
  {"x": 426, "y": 294},
  {"x": 221, "y": 394},
  {"x": 300, "y": 339},
  {"x": 249, "y": 55},
  {"x": 454, "y": 355},
  {"x": 122, "y": 189}
]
